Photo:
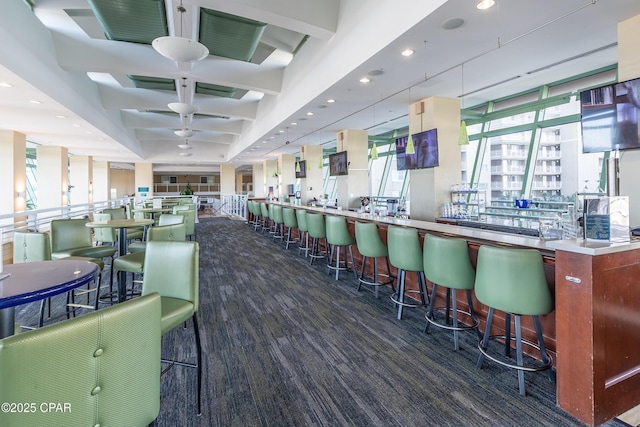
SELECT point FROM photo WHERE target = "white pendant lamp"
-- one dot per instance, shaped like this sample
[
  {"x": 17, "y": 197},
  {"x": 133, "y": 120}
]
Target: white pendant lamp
[
  {"x": 179, "y": 48},
  {"x": 185, "y": 146},
  {"x": 183, "y": 108},
  {"x": 185, "y": 154},
  {"x": 184, "y": 133}
]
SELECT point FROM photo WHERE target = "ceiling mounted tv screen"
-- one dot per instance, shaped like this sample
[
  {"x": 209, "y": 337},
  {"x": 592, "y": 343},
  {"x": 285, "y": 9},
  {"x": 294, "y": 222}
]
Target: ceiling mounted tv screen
[
  {"x": 425, "y": 153},
  {"x": 610, "y": 117},
  {"x": 338, "y": 163},
  {"x": 302, "y": 173}
]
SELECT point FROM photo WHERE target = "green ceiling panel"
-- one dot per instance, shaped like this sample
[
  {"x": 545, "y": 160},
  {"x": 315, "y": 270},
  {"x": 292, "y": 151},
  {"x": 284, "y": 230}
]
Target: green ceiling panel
[
  {"x": 137, "y": 21},
  {"x": 229, "y": 36},
  {"x": 216, "y": 90},
  {"x": 157, "y": 83}
]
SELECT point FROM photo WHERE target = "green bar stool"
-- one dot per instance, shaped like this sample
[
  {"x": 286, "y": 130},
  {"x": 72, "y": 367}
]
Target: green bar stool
[
  {"x": 254, "y": 208},
  {"x": 264, "y": 210},
  {"x": 275, "y": 213},
  {"x": 317, "y": 231},
  {"x": 447, "y": 264},
  {"x": 370, "y": 245},
  {"x": 513, "y": 281},
  {"x": 338, "y": 236},
  {"x": 405, "y": 254},
  {"x": 290, "y": 221},
  {"x": 303, "y": 231}
]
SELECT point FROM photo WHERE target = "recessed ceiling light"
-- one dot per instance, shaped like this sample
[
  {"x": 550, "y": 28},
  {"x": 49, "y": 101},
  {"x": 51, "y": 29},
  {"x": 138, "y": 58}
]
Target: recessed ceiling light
[
  {"x": 281, "y": 131},
  {"x": 185, "y": 154},
  {"x": 310, "y": 113},
  {"x": 365, "y": 80},
  {"x": 294, "y": 124},
  {"x": 408, "y": 52},
  {"x": 265, "y": 141},
  {"x": 331, "y": 100},
  {"x": 5, "y": 84},
  {"x": 35, "y": 102},
  {"x": 485, "y": 4},
  {"x": 61, "y": 117},
  {"x": 271, "y": 137},
  {"x": 77, "y": 126}
]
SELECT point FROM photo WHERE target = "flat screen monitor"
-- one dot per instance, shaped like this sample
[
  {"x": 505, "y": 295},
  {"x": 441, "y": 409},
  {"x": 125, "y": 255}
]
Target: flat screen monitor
[
  {"x": 610, "y": 117},
  {"x": 338, "y": 163},
  {"x": 425, "y": 154},
  {"x": 302, "y": 164}
]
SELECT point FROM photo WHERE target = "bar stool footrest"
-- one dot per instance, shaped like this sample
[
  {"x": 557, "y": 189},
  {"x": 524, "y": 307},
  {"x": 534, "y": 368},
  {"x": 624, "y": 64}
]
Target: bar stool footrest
[
  {"x": 462, "y": 326},
  {"x": 417, "y": 303},
  {"x": 370, "y": 281},
  {"x": 541, "y": 366}
]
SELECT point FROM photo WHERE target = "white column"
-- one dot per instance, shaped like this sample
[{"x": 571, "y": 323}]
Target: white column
[
  {"x": 143, "y": 181},
  {"x": 287, "y": 175},
  {"x": 311, "y": 186},
  {"x": 227, "y": 179},
  {"x": 13, "y": 172},
  {"x": 80, "y": 177},
  {"x": 270, "y": 172},
  {"x": 101, "y": 181},
  {"x": 53, "y": 176},
  {"x": 356, "y": 183},
  {"x": 629, "y": 68},
  {"x": 258, "y": 181}
]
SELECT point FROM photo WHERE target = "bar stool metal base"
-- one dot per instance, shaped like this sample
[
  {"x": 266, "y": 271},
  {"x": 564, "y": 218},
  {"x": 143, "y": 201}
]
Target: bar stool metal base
[
  {"x": 339, "y": 266},
  {"x": 452, "y": 323},
  {"x": 506, "y": 360},
  {"x": 373, "y": 281},
  {"x": 399, "y": 297}
]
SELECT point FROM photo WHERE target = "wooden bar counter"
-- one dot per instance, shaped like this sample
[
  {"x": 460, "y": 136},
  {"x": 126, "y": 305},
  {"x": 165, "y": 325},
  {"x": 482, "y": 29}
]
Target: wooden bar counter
[{"x": 593, "y": 332}]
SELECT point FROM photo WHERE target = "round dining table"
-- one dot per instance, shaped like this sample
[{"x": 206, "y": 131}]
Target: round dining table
[
  {"x": 121, "y": 225},
  {"x": 33, "y": 281}
]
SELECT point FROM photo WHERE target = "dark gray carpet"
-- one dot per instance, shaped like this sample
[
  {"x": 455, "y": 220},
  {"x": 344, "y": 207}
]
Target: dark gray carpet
[{"x": 287, "y": 345}]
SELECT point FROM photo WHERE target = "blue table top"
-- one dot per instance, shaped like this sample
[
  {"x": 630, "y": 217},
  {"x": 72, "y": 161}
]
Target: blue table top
[{"x": 34, "y": 281}]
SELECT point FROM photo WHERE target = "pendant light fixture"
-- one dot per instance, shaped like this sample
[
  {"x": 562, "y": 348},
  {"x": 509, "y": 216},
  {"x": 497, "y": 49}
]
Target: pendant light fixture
[
  {"x": 184, "y": 133},
  {"x": 179, "y": 48},
  {"x": 185, "y": 146},
  {"x": 183, "y": 108}
]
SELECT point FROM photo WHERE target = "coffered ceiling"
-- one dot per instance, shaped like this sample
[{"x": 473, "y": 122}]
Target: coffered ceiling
[{"x": 273, "y": 66}]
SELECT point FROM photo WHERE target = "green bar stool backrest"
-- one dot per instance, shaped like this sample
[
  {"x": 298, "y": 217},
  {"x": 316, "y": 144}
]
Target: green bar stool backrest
[
  {"x": 289, "y": 217},
  {"x": 264, "y": 210},
  {"x": 512, "y": 280},
  {"x": 301, "y": 218},
  {"x": 116, "y": 213},
  {"x": 170, "y": 219},
  {"x": 337, "y": 231},
  {"x": 276, "y": 214},
  {"x": 30, "y": 247},
  {"x": 368, "y": 240},
  {"x": 404, "y": 248},
  {"x": 104, "y": 234},
  {"x": 107, "y": 362},
  {"x": 447, "y": 263},
  {"x": 316, "y": 226},
  {"x": 178, "y": 208}
]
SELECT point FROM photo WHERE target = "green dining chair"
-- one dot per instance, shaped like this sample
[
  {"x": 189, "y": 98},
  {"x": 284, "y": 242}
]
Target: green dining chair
[
  {"x": 121, "y": 213},
  {"x": 171, "y": 269},
  {"x": 102, "y": 368}
]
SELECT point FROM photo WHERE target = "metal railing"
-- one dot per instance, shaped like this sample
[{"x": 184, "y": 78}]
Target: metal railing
[{"x": 235, "y": 205}]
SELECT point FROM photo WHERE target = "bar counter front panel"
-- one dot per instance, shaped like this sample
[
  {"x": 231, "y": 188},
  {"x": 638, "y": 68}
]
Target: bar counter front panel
[{"x": 593, "y": 334}]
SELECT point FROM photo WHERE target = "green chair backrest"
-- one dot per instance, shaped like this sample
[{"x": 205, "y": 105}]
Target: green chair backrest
[
  {"x": 189, "y": 220},
  {"x": 275, "y": 214},
  {"x": 170, "y": 219},
  {"x": 446, "y": 262},
  {"x": 177, "y": 208},
  {"x": 512, "y": 280},
  {"x": 105, "y": 363},
  {"x": 106, "y": 234},
  {"x": 368, "y": 240},
  {"x": 404, "y": 248},
  {"x": 316, "y": 226},
  {"x": 301, "y": 217},
  {"x": 171, "y": 269},
  {"x": 289, "y": 217},
  {"x": 175, "y": 232},
  {"x": 337, "y": 231},
  {"x": 70, "y": 234},
  {"x": 264, "y": 210},
  {"x": 30, "y": 247},
  {"x": 116, "y": 213}
]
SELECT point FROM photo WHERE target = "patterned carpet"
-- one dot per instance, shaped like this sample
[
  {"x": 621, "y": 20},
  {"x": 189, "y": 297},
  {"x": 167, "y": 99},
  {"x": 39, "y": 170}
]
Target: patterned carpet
[{"x": 287, "y": 345}]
